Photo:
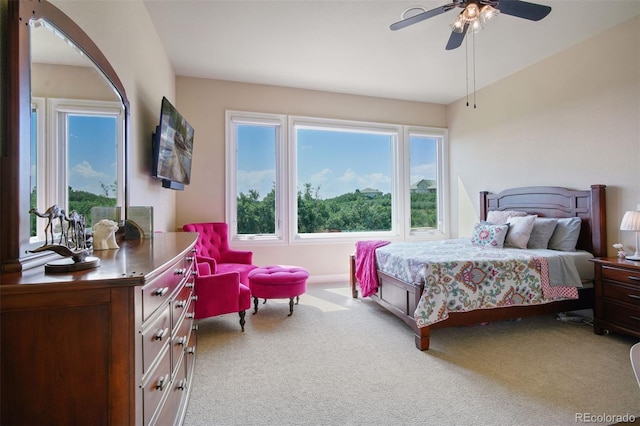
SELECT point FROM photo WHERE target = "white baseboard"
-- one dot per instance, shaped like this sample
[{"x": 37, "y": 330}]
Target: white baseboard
[{"x": 328, "y": 278}]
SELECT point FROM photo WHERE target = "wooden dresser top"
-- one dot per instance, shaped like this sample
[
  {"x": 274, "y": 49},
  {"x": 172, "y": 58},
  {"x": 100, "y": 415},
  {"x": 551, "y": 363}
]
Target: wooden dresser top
[{"x": 134, "y": 263}]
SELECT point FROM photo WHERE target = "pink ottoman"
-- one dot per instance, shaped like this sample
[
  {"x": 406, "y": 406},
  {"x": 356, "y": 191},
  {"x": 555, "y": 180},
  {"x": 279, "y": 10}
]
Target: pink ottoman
[{"x": 278, "y": 282}]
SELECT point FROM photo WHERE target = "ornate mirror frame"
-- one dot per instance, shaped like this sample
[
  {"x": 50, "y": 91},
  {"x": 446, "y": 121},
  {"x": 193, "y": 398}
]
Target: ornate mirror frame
[{"x": 15, "y": 148}]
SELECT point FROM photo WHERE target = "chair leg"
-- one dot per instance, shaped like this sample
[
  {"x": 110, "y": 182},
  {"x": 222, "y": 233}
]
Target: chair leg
[
  {"x": 255, "y": 305},
  {"x": 242, "y": 313}
]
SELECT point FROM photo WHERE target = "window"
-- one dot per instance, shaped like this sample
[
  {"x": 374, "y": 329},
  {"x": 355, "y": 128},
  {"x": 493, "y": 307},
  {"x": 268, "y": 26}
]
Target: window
[
  {"x": 83, "y": 161},
  {"x": 256, "y": 185},
  {"x": 333, "y": 179}
]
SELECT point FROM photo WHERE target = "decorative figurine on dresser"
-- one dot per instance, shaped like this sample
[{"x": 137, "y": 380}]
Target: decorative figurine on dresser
[{"x": 72, "y": 244}]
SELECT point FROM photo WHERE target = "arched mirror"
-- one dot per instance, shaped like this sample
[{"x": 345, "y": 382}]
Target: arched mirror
[{"x": 66, "y": 132}]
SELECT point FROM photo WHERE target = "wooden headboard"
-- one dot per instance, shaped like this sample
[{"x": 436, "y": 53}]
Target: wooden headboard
[{"x": 554, "y": 201}]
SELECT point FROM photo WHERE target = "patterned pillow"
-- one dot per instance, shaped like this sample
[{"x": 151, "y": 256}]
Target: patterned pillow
[
  {"x": 519, "y": 231},
  {"x": 500, "y": 217},
  {"x": 487, "y": 234}
]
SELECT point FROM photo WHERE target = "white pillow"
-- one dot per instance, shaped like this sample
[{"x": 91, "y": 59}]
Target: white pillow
[
  {"x": 499, "y": 217},
  {"x": 520, "y": 228}
]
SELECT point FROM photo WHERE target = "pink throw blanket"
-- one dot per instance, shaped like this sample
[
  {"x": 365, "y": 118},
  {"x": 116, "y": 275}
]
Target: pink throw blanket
[{"x": 366, "y": 266}]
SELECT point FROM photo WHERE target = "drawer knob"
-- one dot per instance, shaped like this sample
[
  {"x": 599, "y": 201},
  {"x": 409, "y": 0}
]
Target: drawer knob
[
  {"x": 180, "y": 304},
  {"x": 182, "y": 384},
  {"x": 160, "y": 334},
  {"x": 161, "y": 291},
  {"x": 189, "y": 258},
  {"x": 191, "y": 350},
  {"x": 181, "y": 340},
  {"x": 190, "y": 315},
  {"x": 195, "y": 327},
  {"x": 162, "y": 382},
  {"x": 180, "y": 271},
  {"x": 189, "y": 284}
]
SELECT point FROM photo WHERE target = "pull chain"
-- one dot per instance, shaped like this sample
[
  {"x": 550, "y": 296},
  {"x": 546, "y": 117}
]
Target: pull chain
[
  {"x": 466, "y": 65},
  {"x": 474, "y": 70}
]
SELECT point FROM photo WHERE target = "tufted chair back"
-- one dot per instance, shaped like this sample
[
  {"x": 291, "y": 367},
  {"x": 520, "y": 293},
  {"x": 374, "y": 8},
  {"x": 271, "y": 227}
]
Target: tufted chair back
[
  {"x": 213, "y": 240},
  {"x": 213, "y": 247}
]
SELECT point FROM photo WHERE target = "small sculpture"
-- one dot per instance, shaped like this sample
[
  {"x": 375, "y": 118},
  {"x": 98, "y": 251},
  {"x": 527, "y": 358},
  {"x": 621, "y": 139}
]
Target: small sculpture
[
  {"x": 104, "y": 235},
  {"x": 72, "y": 245},
  {"x": 53, "y": 212}
]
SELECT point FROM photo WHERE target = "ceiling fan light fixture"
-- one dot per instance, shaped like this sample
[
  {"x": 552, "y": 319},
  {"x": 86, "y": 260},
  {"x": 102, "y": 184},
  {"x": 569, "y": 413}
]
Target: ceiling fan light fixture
[
  {"x": 458, "y": 25},
  {"x": 476, "y": 26},
  {"x": 471, "y": 12},
  {"x": 487, "y": 12}
]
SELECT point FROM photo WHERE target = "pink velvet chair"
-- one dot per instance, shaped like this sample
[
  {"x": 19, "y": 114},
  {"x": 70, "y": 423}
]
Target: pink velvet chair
[
  {"x": 220, "y": 294},
  {"x": 213, "y": 247}
]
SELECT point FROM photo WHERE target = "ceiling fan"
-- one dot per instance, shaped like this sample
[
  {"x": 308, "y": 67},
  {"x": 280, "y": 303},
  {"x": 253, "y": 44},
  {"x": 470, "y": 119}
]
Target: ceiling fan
[{"x": 474, "y": 15}]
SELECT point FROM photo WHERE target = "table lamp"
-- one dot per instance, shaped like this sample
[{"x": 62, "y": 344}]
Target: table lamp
[{"x": 631, "y": 222}]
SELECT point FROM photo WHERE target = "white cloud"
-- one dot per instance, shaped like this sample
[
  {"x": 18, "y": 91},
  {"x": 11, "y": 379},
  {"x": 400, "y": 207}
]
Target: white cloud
[
  {"x": 321, "y": 176},
  {"x": 86, "y": 170},
  {"x": 259, "y": 180}
]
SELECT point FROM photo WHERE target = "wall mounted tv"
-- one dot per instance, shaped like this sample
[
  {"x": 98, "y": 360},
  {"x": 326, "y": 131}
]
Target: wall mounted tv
[{"x": 172, "y": 148}]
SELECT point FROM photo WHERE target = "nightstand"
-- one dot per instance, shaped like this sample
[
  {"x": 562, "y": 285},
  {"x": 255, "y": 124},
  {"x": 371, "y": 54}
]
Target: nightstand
[{"x": 617, "y": 296}]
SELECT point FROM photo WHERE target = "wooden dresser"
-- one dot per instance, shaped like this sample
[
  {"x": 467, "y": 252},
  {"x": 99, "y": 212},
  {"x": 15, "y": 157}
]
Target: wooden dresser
[
  {"x": 617, "y": 296},
  {"x": 112, "y": 345}
]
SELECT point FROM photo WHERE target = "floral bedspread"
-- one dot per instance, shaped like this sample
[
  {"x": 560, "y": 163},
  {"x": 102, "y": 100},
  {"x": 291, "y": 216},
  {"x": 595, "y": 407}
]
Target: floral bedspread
[{"x": 459, "y": 276}]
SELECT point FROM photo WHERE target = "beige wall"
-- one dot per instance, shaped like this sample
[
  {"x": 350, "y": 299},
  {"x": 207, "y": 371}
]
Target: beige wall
[
  {"x": 203, "y": 102},
  {"x": 126, "y": 36},
  {"x": 571, "y": 120}
]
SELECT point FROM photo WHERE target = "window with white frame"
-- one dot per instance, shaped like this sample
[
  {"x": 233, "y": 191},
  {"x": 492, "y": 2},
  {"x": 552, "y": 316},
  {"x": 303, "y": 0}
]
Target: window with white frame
[
  {"x": 77, "y": 155},
  {"x": 333, "y": 179}
]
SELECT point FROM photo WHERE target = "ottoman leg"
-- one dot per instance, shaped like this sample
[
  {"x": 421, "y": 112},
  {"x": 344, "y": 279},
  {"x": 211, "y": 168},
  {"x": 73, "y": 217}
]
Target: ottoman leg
[
  {"x": 255, "y": 305},
  {"x": 290, "y": 307},
  {"x": 241, "y": 313},
  {"x": 297, "y": 299}
]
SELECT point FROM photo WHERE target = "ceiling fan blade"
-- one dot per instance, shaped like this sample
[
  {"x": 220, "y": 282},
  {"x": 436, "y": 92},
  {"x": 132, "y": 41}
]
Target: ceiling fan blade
[
  {"x": 523, "y": 9},
  {"x": 421, "y": 17},
  {"x": 455, "y": 39}
]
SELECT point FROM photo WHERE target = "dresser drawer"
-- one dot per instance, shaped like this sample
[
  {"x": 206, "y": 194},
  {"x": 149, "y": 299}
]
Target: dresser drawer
[
  {"x": 622, "y": 293},
  {"x": 620, "y": 275},
  {"x": 171, "y": 408},
  {"x": 180, "y": 304},
  {"x": 154, "y": 337},
  {"x": 182, "y": 334},
  {"x": 626, "y": 316},
  {"x": 156, "y": 387},
  {"x": 159, "y": 290}
]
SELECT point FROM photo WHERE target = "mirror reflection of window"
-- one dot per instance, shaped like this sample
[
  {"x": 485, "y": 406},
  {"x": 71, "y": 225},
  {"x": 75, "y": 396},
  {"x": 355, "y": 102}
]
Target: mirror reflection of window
[
  {"x": 77, "y": 152},
  {"x": 36, "y": 180}
]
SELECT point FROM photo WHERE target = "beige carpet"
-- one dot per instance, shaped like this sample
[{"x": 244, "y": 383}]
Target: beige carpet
[{"x": 341, "y": 361}]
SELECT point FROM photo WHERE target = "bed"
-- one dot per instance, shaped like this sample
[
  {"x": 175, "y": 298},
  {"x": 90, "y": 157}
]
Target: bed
[{"x": 402, "y": 296}]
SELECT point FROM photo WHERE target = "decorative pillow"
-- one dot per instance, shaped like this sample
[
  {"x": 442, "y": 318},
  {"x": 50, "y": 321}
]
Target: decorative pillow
[
  {"x": 487, "y": 234},
  {"x": 541, "y": 234},
  {"x": 520, "y": 228},
  {"x": 500, "y": 217},
  {"x": 565, "y": 236}
]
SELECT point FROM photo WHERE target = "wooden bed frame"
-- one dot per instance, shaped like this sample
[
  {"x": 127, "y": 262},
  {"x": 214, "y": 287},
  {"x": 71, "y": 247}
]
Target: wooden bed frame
[{"x": 401, "y": 298}]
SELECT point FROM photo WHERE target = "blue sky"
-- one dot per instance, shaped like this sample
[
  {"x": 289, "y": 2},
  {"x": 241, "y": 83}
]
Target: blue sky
[
  {"x": 92, "y": 152},
  {"x": 336, "y": 162}
]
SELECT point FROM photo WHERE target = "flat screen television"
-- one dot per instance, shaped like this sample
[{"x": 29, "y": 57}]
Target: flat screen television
[{"x": 172, "y": 148}]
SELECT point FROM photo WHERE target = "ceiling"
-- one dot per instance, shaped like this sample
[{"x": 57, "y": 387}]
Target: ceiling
[{"x": 346, "y": 46}]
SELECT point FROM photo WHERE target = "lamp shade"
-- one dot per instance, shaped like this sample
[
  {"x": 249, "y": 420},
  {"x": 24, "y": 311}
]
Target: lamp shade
[{"x": 630, "y": 221}]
